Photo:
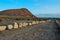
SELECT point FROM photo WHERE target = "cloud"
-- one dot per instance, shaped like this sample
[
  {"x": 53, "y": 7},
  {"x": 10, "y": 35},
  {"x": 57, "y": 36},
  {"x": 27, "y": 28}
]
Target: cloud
[{"x": 46, "y": 7}]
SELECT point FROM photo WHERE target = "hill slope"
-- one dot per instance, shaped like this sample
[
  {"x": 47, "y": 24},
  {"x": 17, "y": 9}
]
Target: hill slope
[{"x": 18, "y": 12}]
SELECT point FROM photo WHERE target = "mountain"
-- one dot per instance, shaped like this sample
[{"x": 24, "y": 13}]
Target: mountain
[{"x": 23, "y": 12}]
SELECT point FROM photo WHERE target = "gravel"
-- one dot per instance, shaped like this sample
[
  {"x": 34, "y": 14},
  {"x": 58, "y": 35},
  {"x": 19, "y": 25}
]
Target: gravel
[{"x": 44, "y": 31}]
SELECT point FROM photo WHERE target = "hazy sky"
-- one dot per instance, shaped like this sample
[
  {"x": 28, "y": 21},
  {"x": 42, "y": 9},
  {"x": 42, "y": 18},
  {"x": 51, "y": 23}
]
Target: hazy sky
[{"x": 35, "y": 6}]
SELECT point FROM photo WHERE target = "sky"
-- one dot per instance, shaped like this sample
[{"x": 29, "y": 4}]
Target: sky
[{"x": 40, "y": 8}]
